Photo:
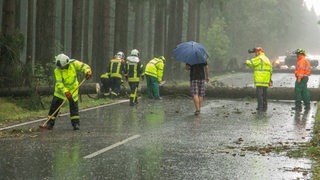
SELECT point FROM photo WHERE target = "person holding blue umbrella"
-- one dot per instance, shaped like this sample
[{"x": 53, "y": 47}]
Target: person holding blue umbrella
[
  {"x": 195, "y": 56},
  {"x": 199, "y": 74}
]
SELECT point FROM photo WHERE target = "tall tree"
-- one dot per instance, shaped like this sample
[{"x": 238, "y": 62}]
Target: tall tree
[
  {"x": 29, "y": 43},
  {"x": 45, "y": 31},
  {"x": 9, "y": 44},
  {"x": 86, "y": 31},
  {"x": 77, "y": 29},
  {"x": 138, "y": 23},
  {"x": 175, "y": 16},
  {"x": 150, "y": 28},
  {"x": 100, "y": 44},
  {"x": 121, "y": 26},
  {"x": 62, "y": 30},
  {"x": 193, "y": 9},
  {"x": 160, "y": 27}
]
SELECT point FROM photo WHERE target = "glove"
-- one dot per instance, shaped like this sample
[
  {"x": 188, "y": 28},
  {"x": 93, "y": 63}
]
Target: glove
[
  {"x": 88, "y": 75},
  {"x": 68, "y": 95}
]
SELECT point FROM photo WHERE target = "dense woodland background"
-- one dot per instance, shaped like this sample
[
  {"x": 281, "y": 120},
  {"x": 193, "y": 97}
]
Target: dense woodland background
[{"x": 34, "y": 31}]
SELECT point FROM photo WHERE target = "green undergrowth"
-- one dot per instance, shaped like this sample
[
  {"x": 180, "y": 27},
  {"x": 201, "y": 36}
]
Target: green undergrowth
[{"x": 28, "y": 108}]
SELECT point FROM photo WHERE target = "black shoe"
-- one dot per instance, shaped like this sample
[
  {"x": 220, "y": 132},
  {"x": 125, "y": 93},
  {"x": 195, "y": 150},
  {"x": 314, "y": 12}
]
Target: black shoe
[
  {"x": 297, "y": 108},
  {"x": 75, "y": 124},
  {"x": 307, "y": 108},
  {"x": 76, "y": 127},
  {"x": 50, "y": 124}
]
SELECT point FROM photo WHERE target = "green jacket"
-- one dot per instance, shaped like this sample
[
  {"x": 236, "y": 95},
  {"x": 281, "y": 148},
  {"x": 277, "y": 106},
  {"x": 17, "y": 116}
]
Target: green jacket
[
  {"x": 262, "y": 69},
  {"x": 66, "y": 79},
  {"x": 155, "y": 68}
]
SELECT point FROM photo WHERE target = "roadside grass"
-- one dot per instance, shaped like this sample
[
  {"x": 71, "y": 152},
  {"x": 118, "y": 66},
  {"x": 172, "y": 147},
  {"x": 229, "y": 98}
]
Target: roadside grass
[{"x": 29, "y": 108}]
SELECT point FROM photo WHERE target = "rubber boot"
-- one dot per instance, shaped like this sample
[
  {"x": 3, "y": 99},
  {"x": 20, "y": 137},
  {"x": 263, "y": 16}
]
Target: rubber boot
[
  {"x": 50, "y": 124},
  {"x": 307, "y": 107},
  {"x": 131, "y": 101},
  {"x": 75, "y": 124}
]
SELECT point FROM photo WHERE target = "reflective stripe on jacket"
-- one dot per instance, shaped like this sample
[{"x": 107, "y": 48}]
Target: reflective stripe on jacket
[
  {"x": 155, "y": 68},
  {"x": 262, "y": 70},
  {"x": 66, "y": 79},
  {"x": 303, "y": 68},
  {"x": 134, "y": 70},
  {"x": 116, "y": 68}
]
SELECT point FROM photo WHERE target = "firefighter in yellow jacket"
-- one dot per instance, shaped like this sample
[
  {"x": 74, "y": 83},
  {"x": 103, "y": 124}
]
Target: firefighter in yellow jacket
[
  {"x": 154, "y": 72},
  {"x": 66, "y": 88},
  {"x": 116, "y": 70},
  {"x": 134, "y": 71}
]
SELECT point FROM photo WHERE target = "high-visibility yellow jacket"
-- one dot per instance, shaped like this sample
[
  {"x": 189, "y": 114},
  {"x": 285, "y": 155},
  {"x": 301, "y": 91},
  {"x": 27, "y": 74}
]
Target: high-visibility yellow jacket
[
  {"x": 116, "y": 68},
  {"x": 155, "y": 68},
  {"x": 262, "y": 69},
  {"x": 134, "y": 69},
  {"x": 303, "y": 68},
  {"x": 66, "y": 79}
]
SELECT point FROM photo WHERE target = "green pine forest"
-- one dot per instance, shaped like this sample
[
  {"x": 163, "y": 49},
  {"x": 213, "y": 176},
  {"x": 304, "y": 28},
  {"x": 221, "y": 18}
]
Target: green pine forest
[{"x": 34, "y": 31}]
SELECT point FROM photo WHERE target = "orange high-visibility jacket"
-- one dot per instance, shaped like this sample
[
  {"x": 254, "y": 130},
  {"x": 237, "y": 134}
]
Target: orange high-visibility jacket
[{"x": 303, "y": 68}]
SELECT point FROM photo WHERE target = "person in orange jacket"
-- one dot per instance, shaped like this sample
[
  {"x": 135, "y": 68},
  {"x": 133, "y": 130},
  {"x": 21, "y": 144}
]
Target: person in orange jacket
[{"x": 302, "y": 73}]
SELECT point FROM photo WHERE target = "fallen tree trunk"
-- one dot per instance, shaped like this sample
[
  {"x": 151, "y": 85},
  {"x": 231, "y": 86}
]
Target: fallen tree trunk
[{"x": 280, "y": 93}]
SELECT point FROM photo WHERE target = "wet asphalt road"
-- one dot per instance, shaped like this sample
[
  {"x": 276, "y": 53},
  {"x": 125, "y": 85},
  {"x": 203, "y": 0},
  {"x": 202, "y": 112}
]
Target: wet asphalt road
[{"x": 164, "y": 140}]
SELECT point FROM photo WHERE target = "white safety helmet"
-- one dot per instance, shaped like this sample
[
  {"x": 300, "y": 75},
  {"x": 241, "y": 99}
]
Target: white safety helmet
[
  {"x": 62, "y": 60},
  {"x": 120, "y": 55},
  {"x": 135, "y": 52}
]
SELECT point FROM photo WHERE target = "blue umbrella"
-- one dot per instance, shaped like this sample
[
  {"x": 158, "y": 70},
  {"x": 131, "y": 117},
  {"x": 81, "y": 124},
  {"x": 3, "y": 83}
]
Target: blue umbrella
[{"x": 191, "y": 53}]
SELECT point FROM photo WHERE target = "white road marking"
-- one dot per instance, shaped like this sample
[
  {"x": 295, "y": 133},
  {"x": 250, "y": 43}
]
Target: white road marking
[
  {"x": 111, "y": 147},
  {"x": 64, "y": 114}
]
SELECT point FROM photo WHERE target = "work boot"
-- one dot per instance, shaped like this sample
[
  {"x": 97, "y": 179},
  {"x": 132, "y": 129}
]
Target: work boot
[
  {"x": 297, "y": 108},
  {"x": 307, "y": 107},
  {"x": 75, "y": 124},
  {"x": 131, "y": 102},
  {"x": 50, "y": 124}
]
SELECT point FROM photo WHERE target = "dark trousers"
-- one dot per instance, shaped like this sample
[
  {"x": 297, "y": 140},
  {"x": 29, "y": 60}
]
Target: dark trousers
[
  {"x": 115, "y": 86},
  {"x": 261, "y": 93},
  {"x": 73, "y": 106},
  {"x": 133, "y": 89},
  {"x": 105, "y": 88}
]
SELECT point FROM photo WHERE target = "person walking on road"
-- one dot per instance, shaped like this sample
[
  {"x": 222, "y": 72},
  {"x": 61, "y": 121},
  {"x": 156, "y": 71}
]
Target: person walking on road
[
  {"x": 116, "y": 70},
  {"x": 154, "y": 72},
  {"x": 262, "y": 72},
  {"x": 66, "y": 87},
  {"x": 199, "y": 74},
  {"x": 134, "y": 71},
  {"x": 302, "y": 73}
]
